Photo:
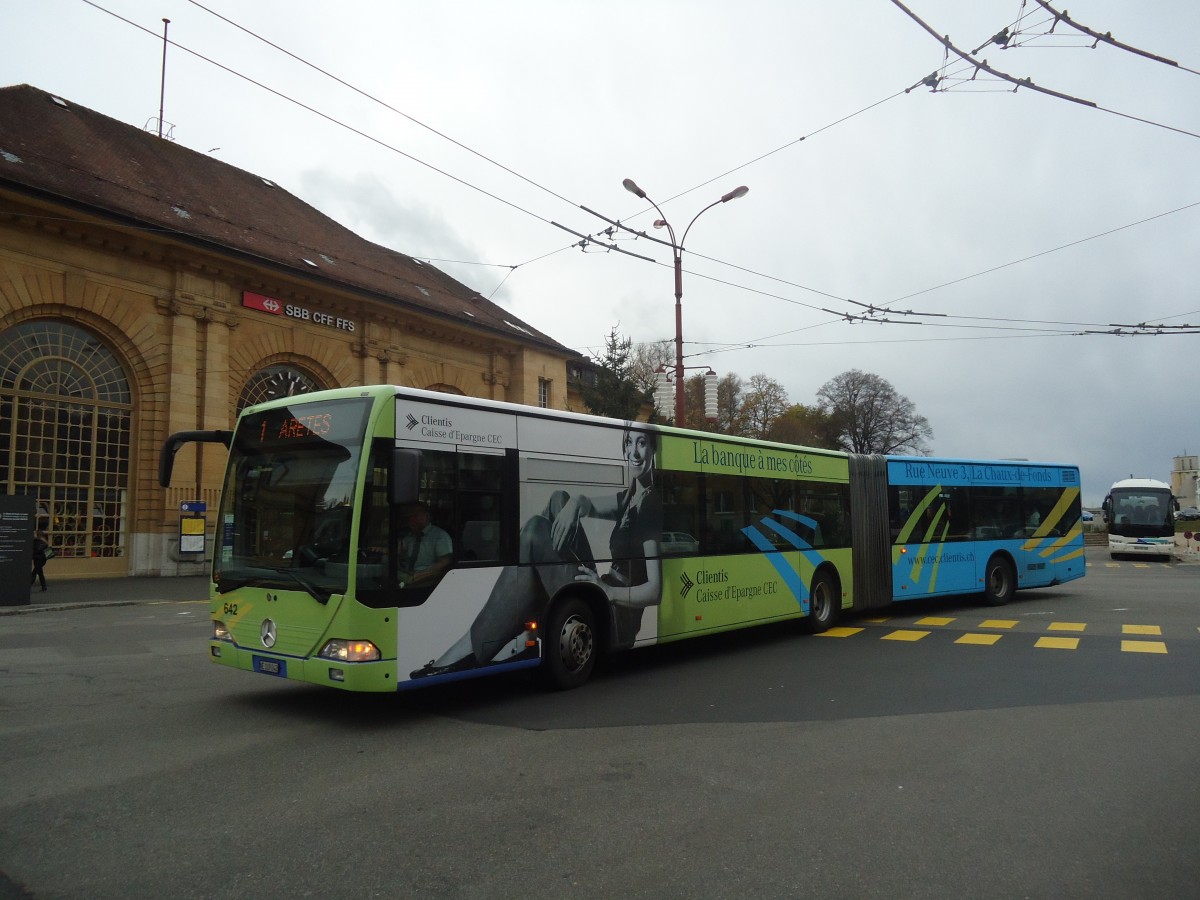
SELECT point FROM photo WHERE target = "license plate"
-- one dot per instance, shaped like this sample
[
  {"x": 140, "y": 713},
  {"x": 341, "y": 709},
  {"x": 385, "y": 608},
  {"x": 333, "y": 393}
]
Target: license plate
[{"x": 270, "y": 666}]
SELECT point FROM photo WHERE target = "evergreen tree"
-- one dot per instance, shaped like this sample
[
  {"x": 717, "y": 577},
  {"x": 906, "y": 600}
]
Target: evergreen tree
[{"x": 616, "y": 393}]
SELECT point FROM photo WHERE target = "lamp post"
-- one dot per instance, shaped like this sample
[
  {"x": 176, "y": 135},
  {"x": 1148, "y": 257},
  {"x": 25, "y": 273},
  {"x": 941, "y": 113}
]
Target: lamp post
[{"x": 677, "y": 250}]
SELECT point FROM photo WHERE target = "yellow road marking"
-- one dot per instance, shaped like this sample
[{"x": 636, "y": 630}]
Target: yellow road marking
[
  {"x": 933, "y": 620},
  {"x": 1141, "y": 629},
  {"x": 904, "y": 635},
  {"x": 987, "y": 639},
  {"x": 840, "y": 631},
  {"x": 878, "y": 621},
  {"x": 999, "y": 623},
  {"x": 1143, "y": 647},
  {"x": 1066, "y": 626},
  {"x": 1057, "y": 643}
]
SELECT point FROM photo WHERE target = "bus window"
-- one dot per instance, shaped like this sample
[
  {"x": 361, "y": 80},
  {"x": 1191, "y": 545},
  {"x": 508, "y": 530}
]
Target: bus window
[
  {"x": 828, "y": 505},
  {"x": 1045, "y": 514},
  {"x": 681, "y": 512},
  {"x": 996, "y": 513},
  {"x": 462, "y": 494},
  {"x": 768, "y": 495},
  {"x": 929, "y": 514},
  {"x": 728, "y": 508},
  {"x": 478, "y": 498}
]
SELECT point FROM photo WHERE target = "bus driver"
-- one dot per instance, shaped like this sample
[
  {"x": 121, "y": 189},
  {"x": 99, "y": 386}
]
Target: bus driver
[{"x": 426, "y": 551}]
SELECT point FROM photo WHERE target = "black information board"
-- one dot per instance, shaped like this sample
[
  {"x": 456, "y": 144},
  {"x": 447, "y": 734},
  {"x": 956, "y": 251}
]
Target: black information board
[{"x": 17, "y": 519}]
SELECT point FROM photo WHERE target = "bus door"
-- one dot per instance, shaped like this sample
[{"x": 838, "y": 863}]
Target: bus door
[
  {"x": 998, "y": 523},
  {"x": 1053, "y": 529},
  {"x": 931, "y": 549}
]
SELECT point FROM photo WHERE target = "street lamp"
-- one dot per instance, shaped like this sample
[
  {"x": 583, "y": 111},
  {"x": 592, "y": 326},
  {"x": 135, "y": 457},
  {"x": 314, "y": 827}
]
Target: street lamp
[{"x": 677, "y": 250}]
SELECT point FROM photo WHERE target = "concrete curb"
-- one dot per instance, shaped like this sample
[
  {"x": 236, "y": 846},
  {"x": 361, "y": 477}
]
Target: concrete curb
[{"x": 130, "y": 591}]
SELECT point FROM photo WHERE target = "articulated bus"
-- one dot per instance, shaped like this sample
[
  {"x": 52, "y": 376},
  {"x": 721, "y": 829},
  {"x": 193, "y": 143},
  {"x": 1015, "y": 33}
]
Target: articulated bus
[
  {"x": 1140, "y": 516},
  {"x": 382, "y": 538}
]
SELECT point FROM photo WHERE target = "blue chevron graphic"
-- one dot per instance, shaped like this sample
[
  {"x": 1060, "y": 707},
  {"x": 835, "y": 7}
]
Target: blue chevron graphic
[{"x": 789, "y": 575}]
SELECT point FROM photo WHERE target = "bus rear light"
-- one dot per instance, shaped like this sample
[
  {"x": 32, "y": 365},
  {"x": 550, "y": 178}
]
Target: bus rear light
[{"x": 350, "y": 651}]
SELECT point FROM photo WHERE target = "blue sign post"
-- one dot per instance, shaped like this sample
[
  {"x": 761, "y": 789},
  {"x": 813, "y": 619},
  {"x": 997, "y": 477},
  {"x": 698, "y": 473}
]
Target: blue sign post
[{"x": 192, "y": 526}]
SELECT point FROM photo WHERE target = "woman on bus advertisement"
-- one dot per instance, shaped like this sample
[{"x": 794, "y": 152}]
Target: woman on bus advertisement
[{"x": 555, "y": 551}]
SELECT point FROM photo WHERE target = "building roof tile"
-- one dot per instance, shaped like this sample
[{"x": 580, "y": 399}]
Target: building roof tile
[{"x": 55, "y": 149}]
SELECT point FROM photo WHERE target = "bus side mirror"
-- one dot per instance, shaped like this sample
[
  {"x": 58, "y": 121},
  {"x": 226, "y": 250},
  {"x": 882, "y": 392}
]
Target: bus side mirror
[
  {"x": 1106, "y": 508},
  {"x": 166, "y": 455},
  {"x": 406, "y": 475}
]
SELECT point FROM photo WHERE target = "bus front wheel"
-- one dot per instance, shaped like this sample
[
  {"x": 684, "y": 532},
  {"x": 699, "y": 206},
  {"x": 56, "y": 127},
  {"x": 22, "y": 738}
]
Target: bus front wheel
[
  {"x": 999, "y": 581},
  {"x": 822, "y": 604},
  {"x": 569, "y": 645}
]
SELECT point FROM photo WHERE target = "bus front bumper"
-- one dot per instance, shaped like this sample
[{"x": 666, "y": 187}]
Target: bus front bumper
[
  {"x": 1143, "y": 546},
  {"x": 379, "y": 675}
]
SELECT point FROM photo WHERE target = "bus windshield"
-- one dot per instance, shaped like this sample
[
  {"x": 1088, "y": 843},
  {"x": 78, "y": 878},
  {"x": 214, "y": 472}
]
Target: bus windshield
[
  {"x": 288, "y": 495},
  {"x": 1141, "y": 512}
]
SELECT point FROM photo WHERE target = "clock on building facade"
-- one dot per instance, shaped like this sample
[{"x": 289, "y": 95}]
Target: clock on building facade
[{"x": 277, "y": 382}]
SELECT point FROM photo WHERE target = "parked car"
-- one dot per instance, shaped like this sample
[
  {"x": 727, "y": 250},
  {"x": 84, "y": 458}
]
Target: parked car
[
  {"x": 677, "y": 542},
  {"x": 1188, "y": 514},
  {"x": 1087, "y": 516}
]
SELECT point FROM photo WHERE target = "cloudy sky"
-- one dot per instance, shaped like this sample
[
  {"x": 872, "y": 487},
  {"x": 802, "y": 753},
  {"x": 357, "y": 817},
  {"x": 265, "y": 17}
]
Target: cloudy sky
[{"x": 1009, "y": 224}]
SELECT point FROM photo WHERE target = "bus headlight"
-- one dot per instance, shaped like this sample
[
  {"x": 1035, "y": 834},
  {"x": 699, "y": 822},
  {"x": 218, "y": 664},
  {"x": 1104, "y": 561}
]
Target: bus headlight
[
  {"x": 220, "y": 632},
  {"x": 349, "y": 651}
]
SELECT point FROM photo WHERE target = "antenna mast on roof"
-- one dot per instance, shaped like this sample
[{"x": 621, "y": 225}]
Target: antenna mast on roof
[{"x": 162, "y": 90}]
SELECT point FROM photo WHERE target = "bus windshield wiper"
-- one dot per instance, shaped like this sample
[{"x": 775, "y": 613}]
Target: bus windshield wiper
[
  {"x": 225, "y": 584},
  {"x": 320, "y": 594}
]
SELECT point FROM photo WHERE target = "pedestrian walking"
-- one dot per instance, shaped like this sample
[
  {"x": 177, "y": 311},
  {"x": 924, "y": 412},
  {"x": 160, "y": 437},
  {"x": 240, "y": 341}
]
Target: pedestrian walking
[{"x": 41, "y": 553}]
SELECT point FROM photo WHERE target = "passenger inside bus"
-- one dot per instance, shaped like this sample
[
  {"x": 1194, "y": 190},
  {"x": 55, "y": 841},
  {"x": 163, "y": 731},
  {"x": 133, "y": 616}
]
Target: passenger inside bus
[{"x": 426, "y": 551}]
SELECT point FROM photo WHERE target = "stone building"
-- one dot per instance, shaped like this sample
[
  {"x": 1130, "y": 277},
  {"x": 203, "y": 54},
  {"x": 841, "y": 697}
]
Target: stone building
[
  {"x": 147, "y": 289},
  {"x": 1185, "y": 480}
]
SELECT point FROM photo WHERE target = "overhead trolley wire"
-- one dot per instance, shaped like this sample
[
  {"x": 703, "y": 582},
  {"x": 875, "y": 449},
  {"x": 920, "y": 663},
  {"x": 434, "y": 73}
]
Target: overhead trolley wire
[
  {"x": 326, "y": 116},
  {"x": 1018, "y": 83},
  {"x": 873, "y": 310},
  {"x": 1107, "y": 38},
  {"x": 380, "y": 102}
]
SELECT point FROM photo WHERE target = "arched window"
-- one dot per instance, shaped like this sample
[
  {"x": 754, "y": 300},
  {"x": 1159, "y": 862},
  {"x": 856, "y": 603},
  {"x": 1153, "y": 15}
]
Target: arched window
[
  {"x": 65, "y": 407},
  {"x": 275, "y": 382}
]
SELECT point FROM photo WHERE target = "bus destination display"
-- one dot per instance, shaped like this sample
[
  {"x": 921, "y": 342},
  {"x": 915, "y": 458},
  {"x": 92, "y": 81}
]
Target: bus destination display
[{"x": 339, "y": 421}]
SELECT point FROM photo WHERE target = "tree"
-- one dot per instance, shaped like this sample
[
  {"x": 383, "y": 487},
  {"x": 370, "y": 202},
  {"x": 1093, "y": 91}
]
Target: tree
[
  {"x": 763, "y": 403},
  {"x": 616, "y": 392},
  {"x": 729, "y": 403},
  {"x": 808, "y": 426},
  {"x": 648, "y": 358},
  {"x": 868, "y": 416}
]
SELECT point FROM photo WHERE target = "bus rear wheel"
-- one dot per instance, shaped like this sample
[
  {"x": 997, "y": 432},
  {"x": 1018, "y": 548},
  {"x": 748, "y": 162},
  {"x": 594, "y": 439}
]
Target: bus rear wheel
[
  {"x": 999, "y": 581},
  {"x": 569, "y": 646},
  {"x": 822, "y": 604}
]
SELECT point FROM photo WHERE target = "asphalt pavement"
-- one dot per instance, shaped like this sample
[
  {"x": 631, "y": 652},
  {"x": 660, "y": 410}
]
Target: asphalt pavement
[
  {"x": 111, "y": 591},
  {"x": 130, "y": 590}
]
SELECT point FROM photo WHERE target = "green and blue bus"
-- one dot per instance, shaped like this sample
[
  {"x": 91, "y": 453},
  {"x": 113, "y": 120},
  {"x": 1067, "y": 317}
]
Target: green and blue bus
[{"x": 383, "y": 538}]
